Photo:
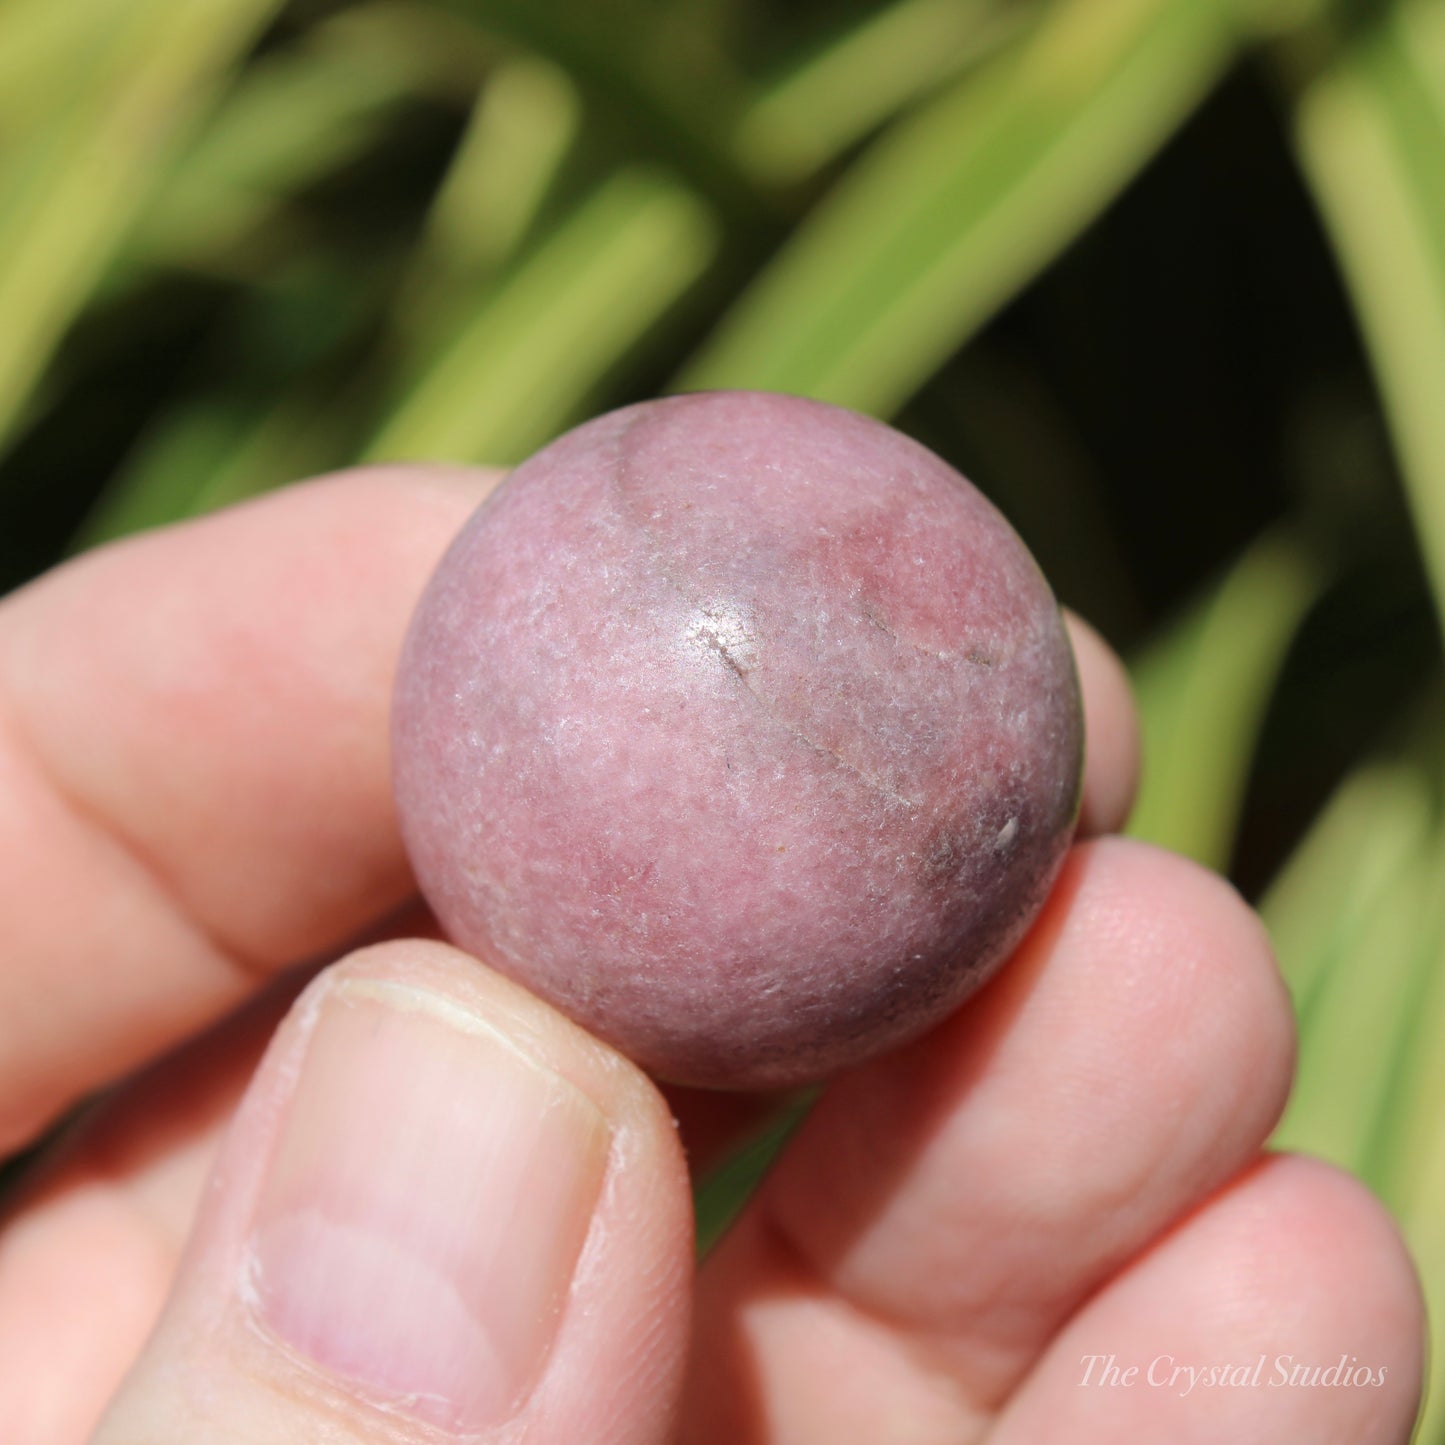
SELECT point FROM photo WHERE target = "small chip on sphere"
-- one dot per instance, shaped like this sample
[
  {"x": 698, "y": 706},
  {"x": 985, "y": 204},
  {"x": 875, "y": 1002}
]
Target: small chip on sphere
[{"x": 743, "y": 729}]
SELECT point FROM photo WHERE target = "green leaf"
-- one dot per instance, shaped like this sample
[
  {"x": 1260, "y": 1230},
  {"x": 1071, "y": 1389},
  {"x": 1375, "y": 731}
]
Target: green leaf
[
  {"x": 292, "y": 118},
  {"x": 1417, "y": 1190},
  {"x": 162, "y": 479},
  {"x": 819, "y": 107},
  {"x": 542, "y": 343},
  {"x": 40, "y": 44},
  {"x": 450, "y": 52},
  {"x": 210, "y": 452},
  {"x": 523, "y": 126},
  {"x": 277, "y": 400},
  {"x": 720, "y": 1197},
  {"x": 75, "y": 185},
  {"x": 657, "y": 73},
  {"x": 1410, "y": 1128},
  {"x": 1371, "y": 1073},
  {"x": 1203, "y": 690},
  {"x": 952, "y": 212},
  {"x": 1359, "y": 1023},
  {"x": 1377, "y": 819},
  {"x": 1370, "y": 134}
]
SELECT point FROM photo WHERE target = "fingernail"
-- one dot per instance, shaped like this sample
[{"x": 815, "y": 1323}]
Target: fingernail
[{"x": 425, "y": 1207}]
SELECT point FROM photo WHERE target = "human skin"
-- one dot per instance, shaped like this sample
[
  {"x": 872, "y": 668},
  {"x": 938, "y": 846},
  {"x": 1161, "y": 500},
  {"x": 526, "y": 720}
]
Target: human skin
[
  {"x": 193, "y": 742},
  {"x": 743, "y": 729}
]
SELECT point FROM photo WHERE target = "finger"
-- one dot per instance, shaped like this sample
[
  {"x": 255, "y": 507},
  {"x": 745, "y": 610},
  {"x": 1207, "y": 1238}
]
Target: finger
[
  {"x": 1111, "y": 732},
  {"x": 194, "y": 784},
  {"x": 441, "y": 1211},
  {"x": 944, "y": 1210},
  {"x": 90, "y": 1240},
  {"x": 1287, "y": 1309}
]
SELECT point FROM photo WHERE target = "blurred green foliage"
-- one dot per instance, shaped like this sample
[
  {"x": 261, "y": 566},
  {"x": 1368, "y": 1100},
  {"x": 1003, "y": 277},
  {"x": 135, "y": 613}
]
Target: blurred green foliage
[{"x": 1166, "y": 277}]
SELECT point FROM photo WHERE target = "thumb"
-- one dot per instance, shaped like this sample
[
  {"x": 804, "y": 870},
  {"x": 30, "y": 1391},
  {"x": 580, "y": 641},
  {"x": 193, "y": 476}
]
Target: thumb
[{"x": 441, "y": 1212}]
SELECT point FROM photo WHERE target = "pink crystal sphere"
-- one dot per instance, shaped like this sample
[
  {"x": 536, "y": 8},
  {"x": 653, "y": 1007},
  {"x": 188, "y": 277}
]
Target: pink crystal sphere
[{"x": 743, "y": 729}]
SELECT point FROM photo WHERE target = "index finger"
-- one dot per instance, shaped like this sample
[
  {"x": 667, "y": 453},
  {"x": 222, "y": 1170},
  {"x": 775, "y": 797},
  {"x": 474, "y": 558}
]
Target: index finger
[{"x": 194, "y": 783}]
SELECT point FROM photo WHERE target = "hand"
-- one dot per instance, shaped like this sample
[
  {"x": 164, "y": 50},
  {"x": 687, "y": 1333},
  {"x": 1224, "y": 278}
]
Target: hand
[{"x": 441, "y": 1210}]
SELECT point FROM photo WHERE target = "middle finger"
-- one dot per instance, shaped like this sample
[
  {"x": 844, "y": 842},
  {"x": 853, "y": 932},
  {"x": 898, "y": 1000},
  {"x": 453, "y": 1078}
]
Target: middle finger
[{"x": 945, "y": 1209}]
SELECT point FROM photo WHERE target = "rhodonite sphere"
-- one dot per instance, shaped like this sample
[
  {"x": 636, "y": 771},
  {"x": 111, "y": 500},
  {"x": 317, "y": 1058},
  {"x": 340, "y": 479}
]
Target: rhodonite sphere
[{"x": 743, "y": 729}]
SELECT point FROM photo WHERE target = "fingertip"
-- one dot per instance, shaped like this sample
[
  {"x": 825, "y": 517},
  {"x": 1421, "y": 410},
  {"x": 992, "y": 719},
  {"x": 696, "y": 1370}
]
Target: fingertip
[
  {"x": 1323, "y": 1212},
  {"x": 1386, "y": 1279},
  {"x": 1296, "y": 1243},
  {"x": 1189, "y": 947},
  {"x": 1283, "y": 1307},
  {"x": 1111, "y": 731}
]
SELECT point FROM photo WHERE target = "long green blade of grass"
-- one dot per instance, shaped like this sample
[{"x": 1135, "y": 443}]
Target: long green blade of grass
[
  {"x": 719, "y": 1198},
  {"x": 542, "y": 343},
  {"x": 524, "y": 122},
  {"x": 1359, "y": 1024},
  {"x": 951, "y": 213},
  {"x": 658, "y": 72},
  {"x": 1377, "y": 819},
  {"x": 451, "y": 52},
  {"x": 265, "y": 407},
  {"x": 1358, "y": 918},
  {"x": 1370, "y": 133},
  {"x": 1417, "y": 1186},
  {"x": 161, "y": 481},
  {"x": 1203, "y": 690},
  {"x": 210, "y": 452},
  {"x": 523, "y": 126},
  {"x": 1410, "y": 1126},
  {"x": 40, "y": 42},
  {"x": 1371, "y": 1072},
  {"x": 217, "y": 448},
  {"x": 74, "y": 190},
  {"x": 807, "y": 116},
  {"x": 293, "y": 118},
  {"x": 1425, "y": 1229}
]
